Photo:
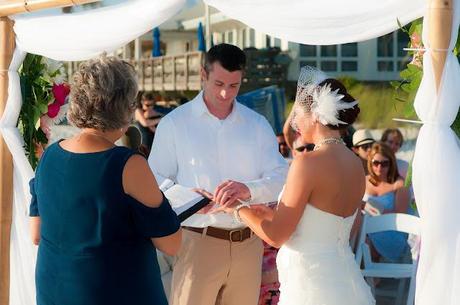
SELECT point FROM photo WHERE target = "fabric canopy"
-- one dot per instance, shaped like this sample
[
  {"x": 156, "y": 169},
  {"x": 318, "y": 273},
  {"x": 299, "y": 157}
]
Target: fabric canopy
[
  {"x": 80, "y": 36},
  {"x": 86, "y": 34},
  {"x": 322, "y": 22}
]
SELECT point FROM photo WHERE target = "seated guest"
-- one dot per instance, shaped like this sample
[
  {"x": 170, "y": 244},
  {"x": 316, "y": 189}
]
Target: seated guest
[
  {"x": 299, "y": 147},
  {"x": 147, "y": 117},
  {"x": 394, "y": 139},
  {"x": 386, "y": 193},
  {"x": 97, "y": 213},
  {"x": 362, "y": 142},
  {"x": 282, "y": 146}
]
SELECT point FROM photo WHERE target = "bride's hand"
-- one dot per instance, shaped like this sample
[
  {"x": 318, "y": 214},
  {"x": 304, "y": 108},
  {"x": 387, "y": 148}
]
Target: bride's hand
[{"x": 263, "y": 211}]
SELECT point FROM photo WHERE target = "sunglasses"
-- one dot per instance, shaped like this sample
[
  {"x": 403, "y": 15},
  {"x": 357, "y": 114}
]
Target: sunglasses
[
  {"x": 308, "y": 147},
  {"x": 384, "y": 163}
]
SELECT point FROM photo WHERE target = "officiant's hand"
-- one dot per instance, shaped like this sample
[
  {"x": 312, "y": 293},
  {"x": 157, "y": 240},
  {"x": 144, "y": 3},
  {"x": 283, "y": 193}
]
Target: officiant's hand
[{"x": 229, "y": 192}]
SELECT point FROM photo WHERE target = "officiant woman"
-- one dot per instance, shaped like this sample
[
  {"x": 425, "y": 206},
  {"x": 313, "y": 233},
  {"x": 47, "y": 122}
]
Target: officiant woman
[{"x": 97, "y": 214}]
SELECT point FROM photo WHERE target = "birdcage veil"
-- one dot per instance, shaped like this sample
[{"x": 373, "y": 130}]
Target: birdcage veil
[{"x": 323, "y": 103}]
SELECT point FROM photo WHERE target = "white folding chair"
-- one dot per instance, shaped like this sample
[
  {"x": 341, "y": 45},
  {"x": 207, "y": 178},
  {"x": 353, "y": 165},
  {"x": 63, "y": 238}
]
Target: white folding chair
[{"x": 388, "y": 222}]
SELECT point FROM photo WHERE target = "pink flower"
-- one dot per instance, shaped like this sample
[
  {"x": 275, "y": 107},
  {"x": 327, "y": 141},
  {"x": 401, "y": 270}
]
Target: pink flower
[
  {"x": 53, "y": 109},
  {"x": 60, "y": 92}
]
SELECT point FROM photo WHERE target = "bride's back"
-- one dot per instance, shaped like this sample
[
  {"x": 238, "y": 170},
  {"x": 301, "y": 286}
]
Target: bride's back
[{"x": 336, "y": 178}]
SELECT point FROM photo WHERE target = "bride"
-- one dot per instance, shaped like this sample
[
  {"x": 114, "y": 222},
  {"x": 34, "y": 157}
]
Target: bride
[{"x": 320, "y": 201}]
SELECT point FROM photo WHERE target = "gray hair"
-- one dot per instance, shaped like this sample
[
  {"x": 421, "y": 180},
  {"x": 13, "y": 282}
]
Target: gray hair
[{"x": 103, "y": 94}]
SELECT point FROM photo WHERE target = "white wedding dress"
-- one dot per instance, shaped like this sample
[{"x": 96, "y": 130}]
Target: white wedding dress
[{"x": 316, "y": 265}]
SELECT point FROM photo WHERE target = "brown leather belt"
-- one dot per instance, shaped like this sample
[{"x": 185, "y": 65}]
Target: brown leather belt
[{"x": 238, "y": 235}]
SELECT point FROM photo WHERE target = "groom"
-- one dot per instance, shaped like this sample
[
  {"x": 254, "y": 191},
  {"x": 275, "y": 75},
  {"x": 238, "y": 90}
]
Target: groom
[{"x": 216, "y": 144}]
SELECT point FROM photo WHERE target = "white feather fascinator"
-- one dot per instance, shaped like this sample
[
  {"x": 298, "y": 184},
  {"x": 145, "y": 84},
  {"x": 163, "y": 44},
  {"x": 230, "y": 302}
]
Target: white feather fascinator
[{"x": 321, "y": 101}]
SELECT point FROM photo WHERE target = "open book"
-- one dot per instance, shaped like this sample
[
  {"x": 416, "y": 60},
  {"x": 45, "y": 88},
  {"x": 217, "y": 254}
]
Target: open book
[{"x": 183, "y": 200}]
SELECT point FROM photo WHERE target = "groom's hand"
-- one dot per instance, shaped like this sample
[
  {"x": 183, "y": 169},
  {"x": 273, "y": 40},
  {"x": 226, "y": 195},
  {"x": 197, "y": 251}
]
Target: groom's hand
[
  {"x": 229, "y": 192},
  {"x": 210, "y": 205}
]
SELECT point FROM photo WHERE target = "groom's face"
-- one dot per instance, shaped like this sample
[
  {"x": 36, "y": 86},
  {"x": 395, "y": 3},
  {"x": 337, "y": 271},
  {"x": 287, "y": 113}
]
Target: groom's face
[{"x": 220, "y": 85}]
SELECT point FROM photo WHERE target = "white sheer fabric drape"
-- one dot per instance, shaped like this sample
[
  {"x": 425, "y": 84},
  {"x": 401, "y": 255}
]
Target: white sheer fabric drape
[
  {"x": 62, "y": 37},
  {"x": 436, "y": 178},
  {"x": 322, "y": 22},
  {"x": 22, "y": 251}
]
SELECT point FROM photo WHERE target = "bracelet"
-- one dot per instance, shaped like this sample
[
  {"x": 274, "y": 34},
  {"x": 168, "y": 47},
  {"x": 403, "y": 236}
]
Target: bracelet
[{"x": 237, "y": 209}]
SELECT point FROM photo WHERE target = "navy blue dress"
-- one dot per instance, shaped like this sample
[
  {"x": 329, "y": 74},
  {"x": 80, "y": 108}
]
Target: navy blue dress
[{"x": 95, "y": 246}]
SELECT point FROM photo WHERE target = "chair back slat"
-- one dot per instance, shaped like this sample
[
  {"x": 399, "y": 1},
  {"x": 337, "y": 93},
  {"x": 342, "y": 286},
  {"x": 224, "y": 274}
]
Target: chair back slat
[{"x": 392, "y": 222}]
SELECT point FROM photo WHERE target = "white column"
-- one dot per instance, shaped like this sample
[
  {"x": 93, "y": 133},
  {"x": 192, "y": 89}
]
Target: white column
[
  {"x": 137, "y": 49},
  {"x": 284, "y": 45},
  {"x": 207, "y": 27},
  {"x": 127, "y": 51},
  {"x": 236, "y": 37},
  {"x": 261, "y": 41}
]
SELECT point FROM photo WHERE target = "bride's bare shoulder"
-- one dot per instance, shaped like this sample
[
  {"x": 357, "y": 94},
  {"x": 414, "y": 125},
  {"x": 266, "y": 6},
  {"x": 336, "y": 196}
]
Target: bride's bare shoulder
[{"x": 306, "y": 165}]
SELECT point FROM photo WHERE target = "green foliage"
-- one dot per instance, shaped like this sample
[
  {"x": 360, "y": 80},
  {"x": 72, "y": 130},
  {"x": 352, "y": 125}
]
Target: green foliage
[
  {"x": 376, "y": 104},
  {"x": 36, "y": 94},
  {"x": 406, "y": 89}
]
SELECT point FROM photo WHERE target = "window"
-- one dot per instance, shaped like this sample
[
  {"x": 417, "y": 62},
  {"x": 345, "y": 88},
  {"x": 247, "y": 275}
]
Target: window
[
  {"x": 252, "y": 37},
  {"x": 350, "y": 50},
  {"x": 330, "y": 51},
  {"x": 385, "y": 46},
  {"x": 267, "y": 41},
  {"x": 349, "y": 66},
  {"x": 385, "y": 66},
  {"x": 311, "y": 63},
  {"x": 277, "y": 42},
  {"x": 329, "y": 65},
  {"x": 403, "y": 42},
  {"x": 230, "y": 37},
  {"x": 402, "y": 64},
  {"x": 307, "y": 50}
]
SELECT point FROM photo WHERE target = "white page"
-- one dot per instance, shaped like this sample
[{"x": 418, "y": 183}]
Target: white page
[{"x": 181, "y": 198}]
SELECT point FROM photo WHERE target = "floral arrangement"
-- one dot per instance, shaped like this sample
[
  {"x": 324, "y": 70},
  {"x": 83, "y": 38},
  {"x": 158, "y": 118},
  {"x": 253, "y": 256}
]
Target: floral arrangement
[
  {"x": 412, "y": 75},
  {"x": 406, "y": 89},
  {"x": 45, "y": 95}
]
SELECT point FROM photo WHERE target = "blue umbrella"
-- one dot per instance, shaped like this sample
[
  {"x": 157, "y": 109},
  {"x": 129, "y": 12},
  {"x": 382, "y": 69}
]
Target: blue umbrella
[
  {"x": 201, "y": 43},
  {"x": 156, "y": 43}
]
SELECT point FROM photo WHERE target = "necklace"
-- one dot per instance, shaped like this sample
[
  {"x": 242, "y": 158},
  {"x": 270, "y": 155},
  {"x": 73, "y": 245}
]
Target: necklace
[
  {"x": 328, "y": 141},
  {"x": 95, "y": 135}
]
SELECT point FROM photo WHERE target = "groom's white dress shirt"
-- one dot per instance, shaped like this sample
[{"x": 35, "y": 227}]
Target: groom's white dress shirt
[{"x": 194, "y": 148}]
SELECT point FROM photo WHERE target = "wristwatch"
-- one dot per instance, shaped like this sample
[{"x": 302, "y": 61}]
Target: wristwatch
[{"x": 237, "y": 209}]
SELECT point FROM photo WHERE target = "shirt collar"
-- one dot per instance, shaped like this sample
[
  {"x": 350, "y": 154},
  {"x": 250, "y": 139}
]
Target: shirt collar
[{"x": 200, "y": 109}]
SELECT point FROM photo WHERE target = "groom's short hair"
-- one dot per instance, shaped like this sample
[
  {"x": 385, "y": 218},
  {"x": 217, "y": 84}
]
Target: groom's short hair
[{"x": 230, "y": 57}]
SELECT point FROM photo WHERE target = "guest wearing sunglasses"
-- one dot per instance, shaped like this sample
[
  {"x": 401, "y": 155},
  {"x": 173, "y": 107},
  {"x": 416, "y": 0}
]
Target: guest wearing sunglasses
[
  {"x": 385, "y": 192},
  {"x": 394, "y": 139},
  {"x": 362, "y": 143}
]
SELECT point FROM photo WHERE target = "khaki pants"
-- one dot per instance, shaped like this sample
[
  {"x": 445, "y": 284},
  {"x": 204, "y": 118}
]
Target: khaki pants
[{"x": 211, "y": 271}]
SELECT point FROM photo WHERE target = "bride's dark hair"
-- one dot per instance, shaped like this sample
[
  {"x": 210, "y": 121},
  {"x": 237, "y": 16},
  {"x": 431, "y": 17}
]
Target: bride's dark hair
[{"x": 348, "y": 115}]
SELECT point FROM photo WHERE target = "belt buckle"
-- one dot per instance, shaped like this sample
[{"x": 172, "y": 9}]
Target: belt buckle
[{"x": 234, "y": 231}]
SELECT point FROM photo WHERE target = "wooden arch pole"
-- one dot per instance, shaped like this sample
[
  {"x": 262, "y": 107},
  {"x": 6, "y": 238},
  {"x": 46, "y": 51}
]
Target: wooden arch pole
[
  {"x": 6, "y": 162},
  {"x": 440, "y": 14},
  {"x": 11, "y": 7}
]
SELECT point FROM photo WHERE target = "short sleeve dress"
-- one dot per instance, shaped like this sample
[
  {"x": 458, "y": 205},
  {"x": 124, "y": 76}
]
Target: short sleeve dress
[{"x": 95, "y": 245}]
